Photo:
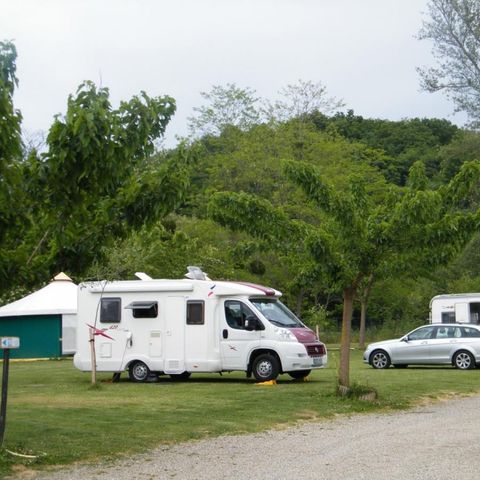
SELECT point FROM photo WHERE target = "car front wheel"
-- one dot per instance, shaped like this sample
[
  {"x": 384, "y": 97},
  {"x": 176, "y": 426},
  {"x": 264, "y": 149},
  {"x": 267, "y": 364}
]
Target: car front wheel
[
  {"x": 380, "y": 359},
  {"x": 463, "y": 360}
]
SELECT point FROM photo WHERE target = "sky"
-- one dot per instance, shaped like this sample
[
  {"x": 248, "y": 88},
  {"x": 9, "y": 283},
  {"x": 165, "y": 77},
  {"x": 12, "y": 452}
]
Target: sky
[{"x": 364, "y": 52}]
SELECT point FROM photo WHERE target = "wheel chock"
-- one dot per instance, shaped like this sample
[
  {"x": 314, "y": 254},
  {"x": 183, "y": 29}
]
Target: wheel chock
[{"x": 269, "y": 382}]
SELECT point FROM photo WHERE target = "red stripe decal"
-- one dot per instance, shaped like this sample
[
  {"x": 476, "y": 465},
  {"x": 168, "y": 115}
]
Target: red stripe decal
[{"x": 266, "y": 290}]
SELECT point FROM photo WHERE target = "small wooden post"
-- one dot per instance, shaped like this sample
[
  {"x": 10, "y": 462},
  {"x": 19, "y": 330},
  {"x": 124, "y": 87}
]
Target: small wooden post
[
  {"x": 93, "y": 357},
  {"x": 6, "y": 343},
  {"x": 317, "y": 331}
]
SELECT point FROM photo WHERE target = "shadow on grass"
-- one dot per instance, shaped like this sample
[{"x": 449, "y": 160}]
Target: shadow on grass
[{"x": 163, "y": 379}]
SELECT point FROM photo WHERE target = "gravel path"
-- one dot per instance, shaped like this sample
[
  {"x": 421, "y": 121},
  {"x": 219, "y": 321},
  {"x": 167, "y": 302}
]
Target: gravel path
[{"x": 439, "y": 441}]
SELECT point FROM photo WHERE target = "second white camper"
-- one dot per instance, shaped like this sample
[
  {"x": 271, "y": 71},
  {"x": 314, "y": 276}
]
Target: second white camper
[
  {"x": 455, "y": 308},
  {"x": 179, "y": 327}
]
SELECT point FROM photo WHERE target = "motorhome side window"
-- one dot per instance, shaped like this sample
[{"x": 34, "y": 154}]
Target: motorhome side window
[
  {"x": 148, "y": 309},
  {"x": 110, "y": 310},
  {"x": 448, "y": 317},
  {"x": 235, "y": 314},
  {"x": 195, "y": 312}
]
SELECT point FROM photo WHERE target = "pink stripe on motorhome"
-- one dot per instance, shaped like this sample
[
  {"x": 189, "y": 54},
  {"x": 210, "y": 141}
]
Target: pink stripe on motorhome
[{"x": 266, "y": 290}]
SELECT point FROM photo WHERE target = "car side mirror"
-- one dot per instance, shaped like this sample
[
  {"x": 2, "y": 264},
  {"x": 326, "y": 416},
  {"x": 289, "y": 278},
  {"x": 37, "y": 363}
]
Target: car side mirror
[
  {"x": 404, "y": 339},
  {"x": 252, "y": 323}
]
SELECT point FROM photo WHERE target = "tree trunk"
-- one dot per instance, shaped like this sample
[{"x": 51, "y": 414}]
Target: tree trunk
[
  {"x": 363, "y": 317},
  {"x": 344, "y": 370},
  {"x": 363, "y": 312}
]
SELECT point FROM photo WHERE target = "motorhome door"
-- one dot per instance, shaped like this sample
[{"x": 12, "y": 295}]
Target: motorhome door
[
  {"x": 111, "y": 344},
  {"x": 175, "y": 335},
  {"x": 462, "y": 312},
  {"x": 236, "y": 340}
]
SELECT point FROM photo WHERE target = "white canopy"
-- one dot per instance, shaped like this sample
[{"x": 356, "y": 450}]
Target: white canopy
[{"x": 58, "y": 297}]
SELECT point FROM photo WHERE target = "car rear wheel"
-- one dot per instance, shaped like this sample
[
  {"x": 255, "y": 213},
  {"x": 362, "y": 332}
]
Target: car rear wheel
[
  {"x": 463, "y": 360},
  {"x": 380, "y": 359}
]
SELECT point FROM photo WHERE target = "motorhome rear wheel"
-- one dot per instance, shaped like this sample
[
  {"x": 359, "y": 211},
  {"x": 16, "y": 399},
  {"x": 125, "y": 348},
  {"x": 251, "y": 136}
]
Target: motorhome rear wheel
[{"x": 138, "y": 371}]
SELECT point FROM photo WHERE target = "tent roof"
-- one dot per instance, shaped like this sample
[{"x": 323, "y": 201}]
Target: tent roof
[{"x": 58, "y": 297}]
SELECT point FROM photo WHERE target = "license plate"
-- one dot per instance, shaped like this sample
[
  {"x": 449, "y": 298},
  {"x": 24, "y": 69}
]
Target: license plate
[{"x": 317, "y": 360}]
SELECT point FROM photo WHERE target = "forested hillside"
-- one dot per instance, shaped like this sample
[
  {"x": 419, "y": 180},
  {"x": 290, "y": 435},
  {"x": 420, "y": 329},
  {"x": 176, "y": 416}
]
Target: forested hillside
[{"x": 98, "y": 201}]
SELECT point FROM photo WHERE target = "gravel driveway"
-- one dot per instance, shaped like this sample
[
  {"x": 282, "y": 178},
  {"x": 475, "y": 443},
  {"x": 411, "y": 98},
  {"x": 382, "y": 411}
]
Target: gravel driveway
[{"x": 439, "y": 441}]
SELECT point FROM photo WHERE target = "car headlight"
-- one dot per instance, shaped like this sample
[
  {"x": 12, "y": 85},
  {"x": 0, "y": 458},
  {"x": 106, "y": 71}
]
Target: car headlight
[{"x": 285, "y": 334}]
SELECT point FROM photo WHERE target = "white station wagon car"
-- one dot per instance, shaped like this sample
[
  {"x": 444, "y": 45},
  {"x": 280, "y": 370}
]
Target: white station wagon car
[{"x": 450, "y": 344}]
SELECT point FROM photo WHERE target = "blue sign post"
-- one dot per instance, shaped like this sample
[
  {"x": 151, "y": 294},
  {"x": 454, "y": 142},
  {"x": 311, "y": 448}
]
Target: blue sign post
[{"x": 6, "y": 343}]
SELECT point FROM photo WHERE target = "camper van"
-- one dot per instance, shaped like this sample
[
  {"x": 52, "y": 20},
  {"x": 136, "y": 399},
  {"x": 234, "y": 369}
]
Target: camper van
[
  {"x": 455, "y": 308},
  {"x": 180, "y": 327}
]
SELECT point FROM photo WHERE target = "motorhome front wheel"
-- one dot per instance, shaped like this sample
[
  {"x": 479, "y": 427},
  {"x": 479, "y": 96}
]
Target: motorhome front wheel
[{"x": 266, "y": 367}]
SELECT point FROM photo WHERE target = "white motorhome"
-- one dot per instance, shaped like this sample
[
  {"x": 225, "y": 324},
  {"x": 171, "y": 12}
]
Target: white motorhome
[
  {"x": 179, "y": 327},
  {"x": 455, "y": 308}
]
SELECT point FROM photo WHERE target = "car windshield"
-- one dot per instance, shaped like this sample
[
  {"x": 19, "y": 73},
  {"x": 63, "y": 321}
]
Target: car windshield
[{"x": 276, "y": 312}]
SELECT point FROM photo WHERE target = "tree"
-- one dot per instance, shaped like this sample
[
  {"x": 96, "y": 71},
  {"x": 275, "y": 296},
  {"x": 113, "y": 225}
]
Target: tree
[
  {"x": 397, "y": 145},
  {"x": 361, "y": 231},
  {"x": 454, "y": 29},
  {"x": 225, "y": 107},
  {"x": 363, "y": 295},
  {"x": 12, "y": 206},
  {"x": 301, "y": 99},
  {"x": 96, "y": 181}
]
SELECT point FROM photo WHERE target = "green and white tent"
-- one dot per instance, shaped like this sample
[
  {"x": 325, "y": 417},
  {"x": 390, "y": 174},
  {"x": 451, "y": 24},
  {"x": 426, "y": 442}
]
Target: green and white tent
[{"x": 45, "y": 321}]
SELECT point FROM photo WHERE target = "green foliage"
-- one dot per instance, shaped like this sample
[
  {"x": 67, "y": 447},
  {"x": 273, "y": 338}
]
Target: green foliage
[
  {"x": 165, "y": 249},
  {"x": 395, "y": 145},
  {"x": 92, "y": 149},
  {"x": 10, "y": 118},
  {"x": 465, "y": 146},
  {"x": 12, "y": 203},
  {"x": 96, "y": 180},
  {"x": 319, "y": 315}
]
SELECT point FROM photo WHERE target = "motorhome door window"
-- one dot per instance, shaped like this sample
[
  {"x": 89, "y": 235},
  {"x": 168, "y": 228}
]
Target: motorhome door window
[
  {"x": 144, "y": 309},
  {"x": 195, "y": 312},
  {"x": 235, "y": 314},
  {"x": 110, "y": 310}
]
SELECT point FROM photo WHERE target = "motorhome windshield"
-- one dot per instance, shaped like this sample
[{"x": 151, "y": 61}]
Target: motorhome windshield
[{"x": 276, "y": 312}]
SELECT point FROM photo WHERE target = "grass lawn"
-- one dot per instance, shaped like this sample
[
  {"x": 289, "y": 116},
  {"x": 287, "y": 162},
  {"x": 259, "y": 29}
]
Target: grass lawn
[{"x": 53, "y": 411}]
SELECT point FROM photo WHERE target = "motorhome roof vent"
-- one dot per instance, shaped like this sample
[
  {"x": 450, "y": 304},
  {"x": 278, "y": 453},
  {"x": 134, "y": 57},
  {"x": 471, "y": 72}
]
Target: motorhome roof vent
[
  {"x": 143, "y": 276},
  {"x": 196, "y": 273}
]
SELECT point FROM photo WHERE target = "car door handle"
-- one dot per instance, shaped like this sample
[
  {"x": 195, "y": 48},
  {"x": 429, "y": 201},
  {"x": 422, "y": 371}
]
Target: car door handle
[
  {"x": 424, "y": 343},
  {"x": 225, "y": 333}
]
